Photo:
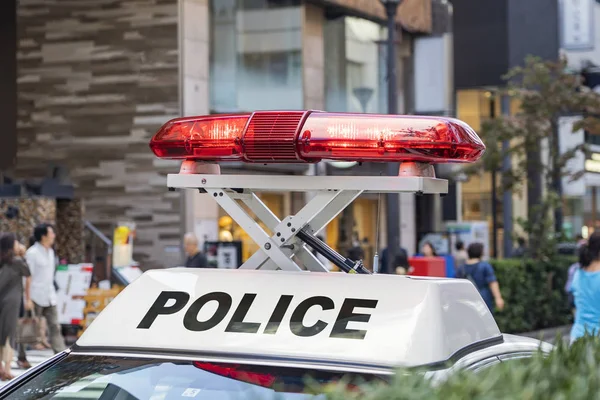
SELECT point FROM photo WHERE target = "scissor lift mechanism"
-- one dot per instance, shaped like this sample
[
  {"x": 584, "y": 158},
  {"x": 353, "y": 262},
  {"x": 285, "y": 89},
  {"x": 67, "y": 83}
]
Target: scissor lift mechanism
[{"x": 290, "y": 235}]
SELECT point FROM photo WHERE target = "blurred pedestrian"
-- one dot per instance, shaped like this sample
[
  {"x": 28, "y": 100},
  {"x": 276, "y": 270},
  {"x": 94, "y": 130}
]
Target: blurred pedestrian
[
  {"x": 42, "y": 263},
  {"x": 481, "y": 274},
  {"x": 401, "y": 263},
  {"x": 22, "y": 355},
  {"x": 582, "y": 260},
  {"x": 12, "y": 270},
  {"x": 384, "y": 267},
  {"x": 521, "y": 249},
  {"x": 461, "y": 256},
  {"x": 586, "y": 290},
  {"x": 428, "y": 250},
  {"x": 356, "y": 253},
  {"x": 195, "y": 258}
]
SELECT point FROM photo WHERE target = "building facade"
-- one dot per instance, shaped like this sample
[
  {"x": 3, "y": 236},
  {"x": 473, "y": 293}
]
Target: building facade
[
  {"x": 95, "y": 79},
  {"x": 490, "y": 38}
]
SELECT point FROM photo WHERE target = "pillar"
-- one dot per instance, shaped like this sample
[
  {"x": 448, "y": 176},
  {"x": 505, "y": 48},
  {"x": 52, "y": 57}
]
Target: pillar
[{"x": 201, "y": 211}]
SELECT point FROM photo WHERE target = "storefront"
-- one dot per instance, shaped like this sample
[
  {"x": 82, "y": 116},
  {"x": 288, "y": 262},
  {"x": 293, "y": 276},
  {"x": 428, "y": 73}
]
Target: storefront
[
  {"x": 475, "y": 106},
  {"x": 589, "y": 205}
]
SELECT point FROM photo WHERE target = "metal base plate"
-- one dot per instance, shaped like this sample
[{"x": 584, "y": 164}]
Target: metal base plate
[{"x": 265, "y": 183}]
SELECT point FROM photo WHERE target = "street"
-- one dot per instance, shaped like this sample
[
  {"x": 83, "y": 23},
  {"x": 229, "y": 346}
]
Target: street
[{"x": 35, "y": 357}]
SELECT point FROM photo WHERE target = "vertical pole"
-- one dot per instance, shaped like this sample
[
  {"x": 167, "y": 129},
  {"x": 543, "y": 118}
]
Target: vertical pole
[
  {"x": 494, "y": 192},
  {"x": 393, "y": 199},
  {"x": 507, "y": 204},
  {"x": 594, "y": 210},
  {"x": 556, "y": 176}
]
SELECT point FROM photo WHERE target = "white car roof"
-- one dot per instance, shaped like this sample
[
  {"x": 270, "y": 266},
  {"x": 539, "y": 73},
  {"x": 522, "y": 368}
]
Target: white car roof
[{"x": 375, "y": 320}]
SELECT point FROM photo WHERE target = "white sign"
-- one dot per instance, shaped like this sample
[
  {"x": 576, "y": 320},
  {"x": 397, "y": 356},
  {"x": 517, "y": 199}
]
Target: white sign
[
  {"x": 73, "y": 282},
  {"x": 433, "y": 80},
  {"x": 470, "y": 232},
  {"x": 227, "y": 257},
  {"x": 576, "y": 23},
  {"x": 567, "y": 140}
]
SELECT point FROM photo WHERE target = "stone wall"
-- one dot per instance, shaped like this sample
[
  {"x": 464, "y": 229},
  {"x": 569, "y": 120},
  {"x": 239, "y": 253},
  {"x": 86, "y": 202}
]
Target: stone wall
[
  {"x": 96, "y": 78},
  {"x": 30, "y": 212}
]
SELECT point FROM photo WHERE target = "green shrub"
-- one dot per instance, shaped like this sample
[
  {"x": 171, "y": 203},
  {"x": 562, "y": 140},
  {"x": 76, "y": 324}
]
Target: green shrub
[
  {"x": 567, "y": 373},
  {"x": 533, "y": 293}
]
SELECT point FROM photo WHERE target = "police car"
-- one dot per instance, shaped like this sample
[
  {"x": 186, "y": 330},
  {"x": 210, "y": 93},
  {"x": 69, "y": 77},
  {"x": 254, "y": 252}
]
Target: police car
[{"x": 261, "y": 330}]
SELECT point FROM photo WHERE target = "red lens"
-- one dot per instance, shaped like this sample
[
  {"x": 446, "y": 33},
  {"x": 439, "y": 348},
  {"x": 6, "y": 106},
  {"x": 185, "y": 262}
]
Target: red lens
[
  {"x": 305, "y": 136},
  {"x": 236, "y": 372},
  {"x": 213, "y": 138},
  {"x": 367, "y": 137}
]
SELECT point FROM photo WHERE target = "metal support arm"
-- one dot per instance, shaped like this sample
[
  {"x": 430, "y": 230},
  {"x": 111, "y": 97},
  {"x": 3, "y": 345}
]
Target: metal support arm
[{"x": 286, "y": 243}]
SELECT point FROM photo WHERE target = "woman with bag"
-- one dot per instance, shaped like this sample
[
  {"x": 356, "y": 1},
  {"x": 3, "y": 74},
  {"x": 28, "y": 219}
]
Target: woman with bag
[{"x": 12, "y": 270}]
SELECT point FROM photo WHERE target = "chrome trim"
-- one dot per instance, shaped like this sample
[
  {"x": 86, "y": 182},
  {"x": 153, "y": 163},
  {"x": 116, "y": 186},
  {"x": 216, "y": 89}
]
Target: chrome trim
[{"x": 321, "y": 367}]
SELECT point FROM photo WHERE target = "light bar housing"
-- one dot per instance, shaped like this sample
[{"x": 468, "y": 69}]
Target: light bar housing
[{"x": 312, "y": 136}]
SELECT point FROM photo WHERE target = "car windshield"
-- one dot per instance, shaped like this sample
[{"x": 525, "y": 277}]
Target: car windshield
[{"x": 112, "y": 378}]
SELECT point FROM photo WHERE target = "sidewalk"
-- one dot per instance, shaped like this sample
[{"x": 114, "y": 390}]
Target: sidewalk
[
  {"x": 34, "y": 357},
  {"x": 549, "y": 335}
]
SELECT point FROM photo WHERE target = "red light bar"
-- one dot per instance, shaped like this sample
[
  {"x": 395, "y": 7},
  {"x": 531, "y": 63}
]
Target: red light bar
[
  {"x": 214, "y": 137},
  {"x": 311, "y": 136}
]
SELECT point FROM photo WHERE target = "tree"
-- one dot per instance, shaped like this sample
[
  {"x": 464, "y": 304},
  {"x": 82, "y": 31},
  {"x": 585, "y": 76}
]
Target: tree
[{"x": 545, "y": 91}]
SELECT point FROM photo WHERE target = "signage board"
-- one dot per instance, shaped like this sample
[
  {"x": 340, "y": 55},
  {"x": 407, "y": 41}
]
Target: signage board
[
  {"x": 568, "y": 139},
  {"x": 73, "y": 282},
  {"x": 592, "y": 163},
  {"x": 123, "y": 237},
  {"x": 226, "y": 255},
  {"x": 577, "y": 24},
  {"x": 470, "y": 232}
]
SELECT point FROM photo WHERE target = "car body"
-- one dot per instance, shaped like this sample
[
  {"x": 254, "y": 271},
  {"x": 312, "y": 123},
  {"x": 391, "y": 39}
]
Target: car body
[{"x": 210, "y": 334}]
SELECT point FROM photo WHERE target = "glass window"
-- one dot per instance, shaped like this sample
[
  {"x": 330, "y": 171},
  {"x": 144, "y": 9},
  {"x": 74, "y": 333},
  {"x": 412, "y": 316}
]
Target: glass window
[
  {"x": 573, "y": 216},
  {"x": 354, "y": 66},
  {"x": 99, "y": 377},
  {"x": 255, "y": 55}
]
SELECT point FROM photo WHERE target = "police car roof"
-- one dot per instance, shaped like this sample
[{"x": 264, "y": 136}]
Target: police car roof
[{"x": 333, "y": 318}]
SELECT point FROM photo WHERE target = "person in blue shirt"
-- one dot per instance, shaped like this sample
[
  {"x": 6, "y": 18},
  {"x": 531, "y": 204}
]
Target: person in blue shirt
[
  {"x": 582, "y": 255},
  {"x": 481, "y": 274},
  {"x": 586, "y": 290}
]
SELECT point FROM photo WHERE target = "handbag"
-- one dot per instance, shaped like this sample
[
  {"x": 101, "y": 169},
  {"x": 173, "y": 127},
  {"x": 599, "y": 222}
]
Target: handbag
[{"x": 31, "y": 329}]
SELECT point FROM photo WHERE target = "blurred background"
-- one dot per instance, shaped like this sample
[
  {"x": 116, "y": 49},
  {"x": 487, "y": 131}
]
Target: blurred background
[{"x": 86, "y": 83}]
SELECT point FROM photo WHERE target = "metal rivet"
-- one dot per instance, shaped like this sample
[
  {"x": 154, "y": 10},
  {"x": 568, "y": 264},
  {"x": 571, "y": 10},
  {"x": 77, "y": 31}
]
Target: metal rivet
[
  {"x": 278, "y": 234},
  {"x": 293, "y": 229},
  {"x": 214, "y": 194},
  {"x": 282, "y": 240},
  {"x": 289, "y": 224},
  {"x": 267, "y": 246},
  {"x": 221, "y": 194},
  {"x": 204, "y": 181}
]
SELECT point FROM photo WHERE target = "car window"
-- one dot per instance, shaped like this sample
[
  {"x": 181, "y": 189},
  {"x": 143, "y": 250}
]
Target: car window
[{"x": 119, "y": 378}]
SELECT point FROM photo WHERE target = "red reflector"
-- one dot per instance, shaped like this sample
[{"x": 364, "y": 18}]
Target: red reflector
[
  {"x": 364, "y": 137},
  {"x": 310, "y": 136},
  {"x": 201, "y": 138},
  {"x": 236, "y": 372}
]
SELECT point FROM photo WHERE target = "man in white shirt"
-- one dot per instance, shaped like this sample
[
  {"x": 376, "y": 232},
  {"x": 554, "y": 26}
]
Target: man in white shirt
[{"x": 42, "y": 264}]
